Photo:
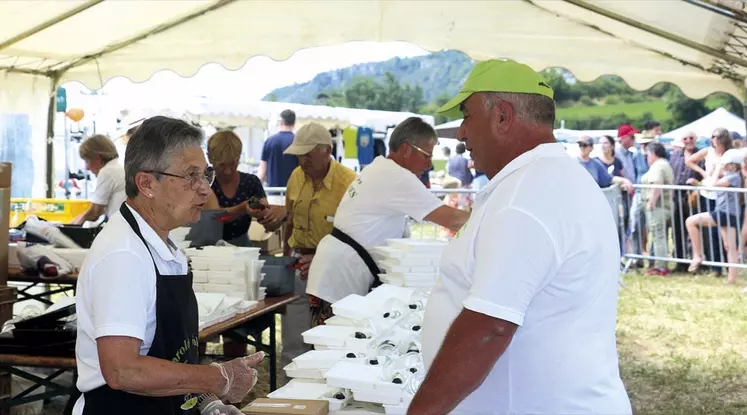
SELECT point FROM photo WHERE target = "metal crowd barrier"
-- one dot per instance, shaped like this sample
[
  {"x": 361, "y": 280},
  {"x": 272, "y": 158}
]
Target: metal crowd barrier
[{"x": 637, "y": 232}]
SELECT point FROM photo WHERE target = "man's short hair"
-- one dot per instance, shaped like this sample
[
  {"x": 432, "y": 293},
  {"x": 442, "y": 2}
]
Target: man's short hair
[
  {"x": 461, "y": 148},
  {"x": 413, "y": 131},
  {"x": 650, "y": 125},
  {"x": 288, "y": 117},
  {"x": 531, "y": 108},
  {"x": 154, "y": 144}
]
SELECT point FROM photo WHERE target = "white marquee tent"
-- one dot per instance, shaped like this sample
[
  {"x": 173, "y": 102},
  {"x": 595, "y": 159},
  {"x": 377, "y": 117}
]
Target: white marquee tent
[
  {"x": 704, "y": 127},
  {"x": 44, "y": 43}
]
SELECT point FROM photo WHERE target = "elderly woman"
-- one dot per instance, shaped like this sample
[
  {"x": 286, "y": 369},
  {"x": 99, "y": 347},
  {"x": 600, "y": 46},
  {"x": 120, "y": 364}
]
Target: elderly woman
[
  {"x": 137, "y": 338},
  {"x": 233, "y": 190},
  {"x": 102, "y": 160},
  {"x": 658, "y": 203}
]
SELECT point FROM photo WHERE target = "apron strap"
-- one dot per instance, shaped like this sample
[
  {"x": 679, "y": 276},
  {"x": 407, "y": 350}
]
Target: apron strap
[
  {"x": 128, "y": 216},
  {"x": 362, "y": 253}
]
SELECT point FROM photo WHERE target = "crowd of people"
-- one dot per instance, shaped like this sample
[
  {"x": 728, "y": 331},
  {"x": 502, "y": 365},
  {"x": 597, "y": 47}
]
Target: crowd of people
[{"x": 702, "y": 224}]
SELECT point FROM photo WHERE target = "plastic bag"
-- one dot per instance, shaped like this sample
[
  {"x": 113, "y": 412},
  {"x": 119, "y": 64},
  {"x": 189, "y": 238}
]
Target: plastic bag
[{"x": 43, "y": 260}]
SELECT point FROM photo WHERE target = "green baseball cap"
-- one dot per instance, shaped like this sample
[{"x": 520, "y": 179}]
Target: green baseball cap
[{"x": 497, "y": 75}]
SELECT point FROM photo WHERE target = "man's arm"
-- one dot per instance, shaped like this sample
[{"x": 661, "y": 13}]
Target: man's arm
[
  {"x": 448, "y": 217},
  {"x": 486, "y": 338},
  {"x": 262, "y": 171},
  {"x": 92, "y": 213},
  {"x": 126, "y": 370}
]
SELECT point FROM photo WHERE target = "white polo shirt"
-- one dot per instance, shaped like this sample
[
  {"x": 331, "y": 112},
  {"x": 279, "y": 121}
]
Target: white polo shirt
[
  {"x": 116, "y": 293},
  {"x": 110, "y": 187},
  {"x": 541, "y": 251},
  {"x": 374, "y": 209}
]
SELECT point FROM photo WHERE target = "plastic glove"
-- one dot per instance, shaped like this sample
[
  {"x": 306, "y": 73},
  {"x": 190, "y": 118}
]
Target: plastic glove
[
  {"x": 240, "y": 376},
  {"x": 219, "y": 408}
]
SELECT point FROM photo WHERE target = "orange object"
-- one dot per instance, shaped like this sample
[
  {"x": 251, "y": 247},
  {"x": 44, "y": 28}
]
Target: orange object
[{"x": 75, "y": 114}]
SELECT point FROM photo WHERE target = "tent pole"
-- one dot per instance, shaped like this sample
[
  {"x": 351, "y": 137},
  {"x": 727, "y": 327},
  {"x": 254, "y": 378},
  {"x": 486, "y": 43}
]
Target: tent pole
[
  {"x": 715, "y": 53},
  {"x": 53, "y": 79}
]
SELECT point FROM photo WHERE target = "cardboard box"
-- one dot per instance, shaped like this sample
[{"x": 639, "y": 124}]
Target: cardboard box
[
  {"x": 5, "y": 175},
  {"x": 287, "y": 407}
]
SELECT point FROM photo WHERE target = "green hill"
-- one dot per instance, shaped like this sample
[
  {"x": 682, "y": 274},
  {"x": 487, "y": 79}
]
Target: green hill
[
  {"x": 437, "y": 73},
  {"x": 634, "y": 111}
]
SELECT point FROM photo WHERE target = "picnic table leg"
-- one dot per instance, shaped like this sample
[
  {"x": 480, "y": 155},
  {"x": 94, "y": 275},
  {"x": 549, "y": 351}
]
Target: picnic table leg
[{"x": 273, "y": 355}]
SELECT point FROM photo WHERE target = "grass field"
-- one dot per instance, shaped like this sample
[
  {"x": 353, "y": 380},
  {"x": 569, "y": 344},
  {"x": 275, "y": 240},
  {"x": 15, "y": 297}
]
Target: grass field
[
  {"x": 683, "y": 345},
  {"x": 632, "y": 110}
]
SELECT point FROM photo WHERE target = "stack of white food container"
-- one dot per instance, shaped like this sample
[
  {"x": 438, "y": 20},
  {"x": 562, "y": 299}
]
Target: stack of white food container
[
  {"x": 410, "y": 262},
  {"x": 368, "y": 352},
  {"x": 234, "y": 271}
]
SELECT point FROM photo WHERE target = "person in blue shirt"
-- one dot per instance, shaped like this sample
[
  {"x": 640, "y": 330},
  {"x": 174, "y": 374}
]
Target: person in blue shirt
[
  {"x": 595, "y": 167},
  {"x": 275, "y": 168}
]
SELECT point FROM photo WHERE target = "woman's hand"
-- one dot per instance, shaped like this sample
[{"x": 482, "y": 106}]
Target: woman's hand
[
  {"x": 272, "y": 216},
  {"x": 691, "y": 182},
  {"x": 256, "y": 213}
]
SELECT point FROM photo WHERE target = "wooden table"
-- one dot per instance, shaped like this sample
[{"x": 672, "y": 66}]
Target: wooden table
[
  {"x": 16, "y": 364},
  {"x": 66, "y": 283},
  {"x": 256, "y": 320}
]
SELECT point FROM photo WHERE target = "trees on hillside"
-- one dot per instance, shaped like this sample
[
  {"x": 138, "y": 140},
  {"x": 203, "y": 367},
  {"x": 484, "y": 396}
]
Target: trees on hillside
[
  {"x": 367, "y": 93},
  {"x": 390, "y": 95}
]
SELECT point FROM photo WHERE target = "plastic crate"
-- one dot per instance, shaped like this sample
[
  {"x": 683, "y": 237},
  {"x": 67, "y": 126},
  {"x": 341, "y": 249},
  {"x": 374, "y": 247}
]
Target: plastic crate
[{"x": 53, "y": 210}]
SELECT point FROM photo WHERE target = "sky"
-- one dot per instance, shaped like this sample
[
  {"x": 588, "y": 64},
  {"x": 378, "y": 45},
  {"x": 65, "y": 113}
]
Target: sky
[{"x": 258, "y": 77}]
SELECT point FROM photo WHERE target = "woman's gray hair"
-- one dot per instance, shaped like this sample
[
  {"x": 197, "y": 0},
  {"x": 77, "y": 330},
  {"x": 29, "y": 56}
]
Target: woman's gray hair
[
  {"x": 153, "y": 146},
  {"x": 413, "y": 131}
]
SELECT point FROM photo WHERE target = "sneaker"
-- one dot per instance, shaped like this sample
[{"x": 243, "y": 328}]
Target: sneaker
[{"x": 658, "y": 272}]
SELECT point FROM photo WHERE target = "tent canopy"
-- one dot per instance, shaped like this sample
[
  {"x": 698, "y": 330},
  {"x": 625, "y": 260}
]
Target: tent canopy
[
  {"x": 93, "y": 41},
  {"x": 44, "y": 43},
  {"x": 704, "y": 127}
]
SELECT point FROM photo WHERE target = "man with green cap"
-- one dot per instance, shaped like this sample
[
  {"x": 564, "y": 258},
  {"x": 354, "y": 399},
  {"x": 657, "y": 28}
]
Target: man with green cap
[{"x": 522, "y": 320}]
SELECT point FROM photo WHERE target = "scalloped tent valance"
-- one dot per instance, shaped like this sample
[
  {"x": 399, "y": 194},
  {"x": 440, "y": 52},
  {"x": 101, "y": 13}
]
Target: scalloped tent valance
[
  {"x": 93, "y": 41},
  {"x": 696, "y": 44}
]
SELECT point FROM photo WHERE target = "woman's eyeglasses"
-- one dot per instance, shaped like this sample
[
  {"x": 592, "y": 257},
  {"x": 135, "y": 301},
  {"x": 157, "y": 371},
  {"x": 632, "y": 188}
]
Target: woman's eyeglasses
[{"x": 195, "y": 179}]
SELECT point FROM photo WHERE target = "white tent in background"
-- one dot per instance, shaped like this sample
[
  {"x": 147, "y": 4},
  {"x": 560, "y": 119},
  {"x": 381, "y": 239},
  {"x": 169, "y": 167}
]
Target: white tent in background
[
  {"x": 448, "y": 129},
  {"x": 704, "y": 127}
]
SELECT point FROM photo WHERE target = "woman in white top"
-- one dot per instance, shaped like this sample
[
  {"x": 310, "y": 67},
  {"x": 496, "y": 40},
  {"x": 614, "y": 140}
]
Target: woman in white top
[
  {"x": 720, "y": 143},
  {"x": 102, "y": 159}
]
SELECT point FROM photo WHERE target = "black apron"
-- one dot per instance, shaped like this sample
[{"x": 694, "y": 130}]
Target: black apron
[{"x": 175, "y": 339}]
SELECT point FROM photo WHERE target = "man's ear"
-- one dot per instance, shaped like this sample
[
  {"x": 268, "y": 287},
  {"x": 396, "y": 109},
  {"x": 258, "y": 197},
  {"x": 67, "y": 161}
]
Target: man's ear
[{"x": 505, "y": 116}]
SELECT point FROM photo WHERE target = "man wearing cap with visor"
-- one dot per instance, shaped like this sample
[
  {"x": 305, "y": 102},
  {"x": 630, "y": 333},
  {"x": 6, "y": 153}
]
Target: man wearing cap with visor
[
  {"x": 522, "y": 319},
  {"x": 314, "y": 191}
]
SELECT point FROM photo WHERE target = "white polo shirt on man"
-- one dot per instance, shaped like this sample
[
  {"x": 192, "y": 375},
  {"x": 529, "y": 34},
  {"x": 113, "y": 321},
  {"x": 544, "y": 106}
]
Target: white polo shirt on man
[
  {"x": 374, "y": 208},
  {"x": 116, "y": 293},
  {"x": 110, "y": 187},
  {"x": 541, "y": 251}
]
